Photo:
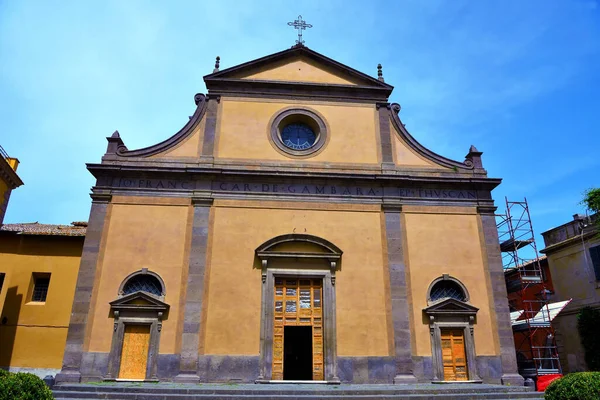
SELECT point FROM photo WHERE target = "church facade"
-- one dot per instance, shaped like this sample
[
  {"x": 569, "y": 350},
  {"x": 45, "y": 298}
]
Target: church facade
[{"x": 292, "y": 230}]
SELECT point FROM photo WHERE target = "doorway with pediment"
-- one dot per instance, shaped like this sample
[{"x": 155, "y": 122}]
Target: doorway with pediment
[{"x": 298, "y": 341}]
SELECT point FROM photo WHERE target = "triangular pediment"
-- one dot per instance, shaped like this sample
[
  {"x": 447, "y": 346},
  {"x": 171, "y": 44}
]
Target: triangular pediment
[
  {"x": 139, "y": 300},
  {"x": 450, "y": 306},
  {"x": 297, "y": 70},
  {"x": 300, "y": 69}
]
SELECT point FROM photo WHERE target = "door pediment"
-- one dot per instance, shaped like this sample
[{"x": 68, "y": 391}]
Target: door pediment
[
  {"x": 139, "y": 301},
  {"x": 450, "y": 307}
]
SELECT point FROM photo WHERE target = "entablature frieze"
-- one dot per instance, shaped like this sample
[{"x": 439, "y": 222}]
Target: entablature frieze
[{"x": 390, "y": 191}]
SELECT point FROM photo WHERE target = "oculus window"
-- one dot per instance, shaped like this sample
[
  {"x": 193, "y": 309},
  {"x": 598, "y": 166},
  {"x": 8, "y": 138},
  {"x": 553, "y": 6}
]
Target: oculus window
[
  {"x": 298, "y": 136},
  {"x": 298, "y": 132}
]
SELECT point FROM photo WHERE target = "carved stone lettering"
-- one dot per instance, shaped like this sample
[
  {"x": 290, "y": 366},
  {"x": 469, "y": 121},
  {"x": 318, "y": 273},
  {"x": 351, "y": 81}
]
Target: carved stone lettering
[{"x": 160, "y": 184}]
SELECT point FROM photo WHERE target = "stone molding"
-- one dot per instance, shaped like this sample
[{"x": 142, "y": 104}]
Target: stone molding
[
  {"x": 116, "y": 147},
  {"x": 404, "y": 373},
  {"x": 188, "y": 362},
  {"x": 452, "y": 314},
  {"x": 72, "y": 358},
  {"x": 126, "y": 312}
]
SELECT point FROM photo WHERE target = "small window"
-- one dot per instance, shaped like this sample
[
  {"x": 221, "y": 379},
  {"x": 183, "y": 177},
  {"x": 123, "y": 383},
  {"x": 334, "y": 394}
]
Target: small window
[
  {"x": 2, "y": 274},
  {"x": 143, "y": 283},
  {"x": 447, "y": 289},
  {"x": 41, "y": 283},
  {"x": 595, "y": 256}
]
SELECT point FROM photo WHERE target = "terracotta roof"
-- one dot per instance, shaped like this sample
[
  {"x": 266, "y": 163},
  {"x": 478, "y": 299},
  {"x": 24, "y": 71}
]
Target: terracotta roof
[{"x": 77, "y": 228}]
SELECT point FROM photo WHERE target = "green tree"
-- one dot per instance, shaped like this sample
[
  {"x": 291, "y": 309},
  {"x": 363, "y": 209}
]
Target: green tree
[{"x": 591, "y": 199}]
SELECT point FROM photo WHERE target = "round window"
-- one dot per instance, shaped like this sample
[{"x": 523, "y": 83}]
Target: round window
[
  {"x": 298, "y": 136},
  {"x": 298, "y": 132}
]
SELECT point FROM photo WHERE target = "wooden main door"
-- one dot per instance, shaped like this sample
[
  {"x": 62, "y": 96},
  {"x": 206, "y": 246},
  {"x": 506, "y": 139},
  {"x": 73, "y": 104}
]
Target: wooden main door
[
  {"x": 298, "y": 303},
  {"x": 134, "y": 356},
  {"x": 453, "y": 355}
]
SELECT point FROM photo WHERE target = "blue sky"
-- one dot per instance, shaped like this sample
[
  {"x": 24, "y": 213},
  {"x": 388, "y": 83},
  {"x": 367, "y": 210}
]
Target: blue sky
[{"x": 518, "y": 79}]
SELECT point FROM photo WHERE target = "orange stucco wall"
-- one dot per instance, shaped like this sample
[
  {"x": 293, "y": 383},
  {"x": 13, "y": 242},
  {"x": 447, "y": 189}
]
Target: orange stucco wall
[
  {"x": 34, "y": 333},
  {"x": 447, "y": 241},
  {"x": 152, "y": 236},
  {"x": 234, "y": 290},
  {"x": 244, "y": 125}
]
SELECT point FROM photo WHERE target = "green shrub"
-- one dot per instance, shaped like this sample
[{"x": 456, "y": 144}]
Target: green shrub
[
  {"x": 22, "y": 386},
  {"x": 576, "y": 386}
]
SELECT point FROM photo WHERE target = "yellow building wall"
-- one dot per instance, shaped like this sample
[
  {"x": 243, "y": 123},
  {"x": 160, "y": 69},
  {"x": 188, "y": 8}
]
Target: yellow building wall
[
  {"x": 3, "y": 190},
  {"x": 234, "y": 289},
  {"x": 152, "y": 236},
  {"x": 244, "y": 126},
  {"x": 190, "y": 147},
  {"x": 35, "y": 333},
  {"x": 405, "y": 156},
  {"x": 446, "y": 241},
  {"x": 299, "y": 69}
]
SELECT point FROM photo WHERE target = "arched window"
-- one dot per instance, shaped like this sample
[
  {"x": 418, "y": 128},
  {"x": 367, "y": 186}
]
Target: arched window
[
  {"x": 446, "y": 287},
  {"x": 143, "y": 281}
]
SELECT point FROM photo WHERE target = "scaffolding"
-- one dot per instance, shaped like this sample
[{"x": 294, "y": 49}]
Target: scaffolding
[{"x": 532, "y": 326}]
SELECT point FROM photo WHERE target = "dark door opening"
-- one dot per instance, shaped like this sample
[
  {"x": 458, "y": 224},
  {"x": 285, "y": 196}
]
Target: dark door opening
[{"x": 297, "y": 353}]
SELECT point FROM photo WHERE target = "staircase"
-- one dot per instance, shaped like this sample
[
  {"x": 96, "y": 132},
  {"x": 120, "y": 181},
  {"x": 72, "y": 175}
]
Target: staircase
[{"x": 174, "y": 391}]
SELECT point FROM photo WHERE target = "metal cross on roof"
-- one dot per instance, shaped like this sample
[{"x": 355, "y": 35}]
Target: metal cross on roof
[{"x": 301, "y": 25}]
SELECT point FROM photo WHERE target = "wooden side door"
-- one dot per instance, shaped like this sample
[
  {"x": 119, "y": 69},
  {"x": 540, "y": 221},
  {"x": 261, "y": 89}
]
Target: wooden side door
[
  {"x": 298, "y": 302},
  {"x": 134, "y": 356},
  {"x": 454, "y": 355}
]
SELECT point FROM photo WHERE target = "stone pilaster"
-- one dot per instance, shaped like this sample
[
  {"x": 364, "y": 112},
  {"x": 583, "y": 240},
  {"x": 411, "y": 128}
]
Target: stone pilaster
[
  {"x": 210, "y": 129},
  {"x": 71, "y": 368},
  {"x": 387, "y": 152},
  {"x": 188, "y": 364},
  {"x": 398, "y": 294},
  {"x": 510, "y": 375}
]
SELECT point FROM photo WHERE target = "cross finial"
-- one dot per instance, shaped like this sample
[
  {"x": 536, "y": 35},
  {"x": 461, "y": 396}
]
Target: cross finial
[{"x": 301, "y": 25}]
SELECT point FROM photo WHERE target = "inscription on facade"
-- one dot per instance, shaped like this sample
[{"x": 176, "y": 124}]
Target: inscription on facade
[
  {"x": 155, "y": 184},
  {"x": 335, "y": 190},
  {"x": 297, "y": 189}
]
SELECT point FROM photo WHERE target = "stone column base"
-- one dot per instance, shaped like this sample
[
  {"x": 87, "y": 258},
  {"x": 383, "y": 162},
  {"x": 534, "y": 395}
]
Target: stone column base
[
  {"x": 66, "y": 376},
  {"x": 186, "y": 378},
  {"x": 404, "y": 379},
  {"x": 513, "y": 380}
]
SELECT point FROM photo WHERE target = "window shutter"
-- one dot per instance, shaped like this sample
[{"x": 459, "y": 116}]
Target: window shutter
[{"x": 595, "y": 255}]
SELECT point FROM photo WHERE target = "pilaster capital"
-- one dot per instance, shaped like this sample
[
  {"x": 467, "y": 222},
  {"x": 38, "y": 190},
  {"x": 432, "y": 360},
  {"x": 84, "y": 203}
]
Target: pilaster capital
[
  {"x": 202, "y": 201},
  {"x": 101, "y": 197},
  {"x": 391, "y": 206},
  {"x": 486, "y": 209}
]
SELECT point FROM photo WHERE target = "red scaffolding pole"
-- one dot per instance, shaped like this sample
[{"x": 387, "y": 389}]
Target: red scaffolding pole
[{"x": 534, "y": 335}]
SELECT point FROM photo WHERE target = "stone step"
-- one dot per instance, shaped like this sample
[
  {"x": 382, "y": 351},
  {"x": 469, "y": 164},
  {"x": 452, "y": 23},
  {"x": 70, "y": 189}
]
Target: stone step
[
  {"x": 291, "y": 397},
  {"x": 167, "y": 391}
]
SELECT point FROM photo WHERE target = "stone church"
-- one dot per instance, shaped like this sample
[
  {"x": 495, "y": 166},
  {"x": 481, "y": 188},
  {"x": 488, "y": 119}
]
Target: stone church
[{"x": 292, "y": 230}]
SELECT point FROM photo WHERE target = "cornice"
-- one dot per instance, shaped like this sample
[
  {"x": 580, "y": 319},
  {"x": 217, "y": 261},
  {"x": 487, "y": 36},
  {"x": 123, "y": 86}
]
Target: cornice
[
  {"x": 117, "y": 150},
  {"x": 9, "y": 175},
  {"x": 103, "y": 170},
  {"x": 401, "y": 130}
]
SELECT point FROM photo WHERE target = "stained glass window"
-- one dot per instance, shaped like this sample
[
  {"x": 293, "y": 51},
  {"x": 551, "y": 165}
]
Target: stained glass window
[
  {"x": 447, "y": 290},
  {"x": 143, "y": 283}
]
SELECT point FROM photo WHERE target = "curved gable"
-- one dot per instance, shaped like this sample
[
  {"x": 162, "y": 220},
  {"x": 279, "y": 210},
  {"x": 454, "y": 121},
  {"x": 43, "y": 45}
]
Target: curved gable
[{"x": 409, "y": 152}]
